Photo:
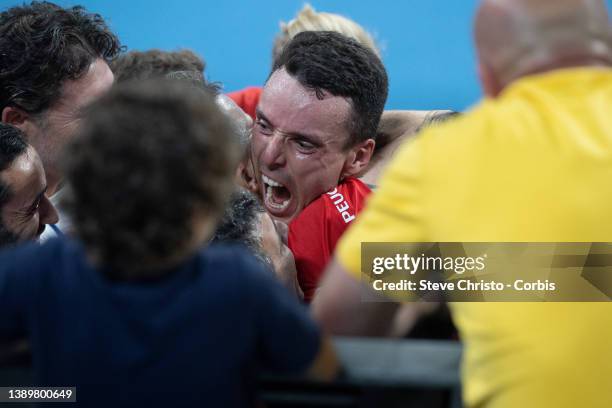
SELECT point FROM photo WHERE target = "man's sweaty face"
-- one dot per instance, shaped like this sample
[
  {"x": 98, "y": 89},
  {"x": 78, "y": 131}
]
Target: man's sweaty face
[{"x": 297, "y": 144}]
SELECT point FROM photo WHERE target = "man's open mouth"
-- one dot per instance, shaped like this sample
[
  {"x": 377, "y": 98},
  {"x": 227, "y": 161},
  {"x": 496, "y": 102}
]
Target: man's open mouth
[{"x": 276, "y": 195}]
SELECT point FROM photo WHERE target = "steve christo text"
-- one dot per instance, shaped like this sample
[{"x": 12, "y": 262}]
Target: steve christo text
[{"x": 462, "y": 285}]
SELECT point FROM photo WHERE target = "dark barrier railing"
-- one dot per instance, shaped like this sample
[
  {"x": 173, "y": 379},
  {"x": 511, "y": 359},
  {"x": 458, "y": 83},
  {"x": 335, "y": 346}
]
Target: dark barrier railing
[{"x": 376, "y": 373}]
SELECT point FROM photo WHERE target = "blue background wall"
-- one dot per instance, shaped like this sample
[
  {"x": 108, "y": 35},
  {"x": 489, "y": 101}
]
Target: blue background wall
[{"x": 427, "y": 45}]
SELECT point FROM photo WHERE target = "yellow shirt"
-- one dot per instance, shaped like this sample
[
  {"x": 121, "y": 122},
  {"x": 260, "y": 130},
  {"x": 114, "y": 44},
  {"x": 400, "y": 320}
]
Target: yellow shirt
[{"x": 535, "y": 164}]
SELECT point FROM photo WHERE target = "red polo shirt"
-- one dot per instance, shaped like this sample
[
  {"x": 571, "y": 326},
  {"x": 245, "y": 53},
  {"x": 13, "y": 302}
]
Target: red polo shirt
[
  {"x": 313, "y": 234},
  {"x": 247, "y": 99}
]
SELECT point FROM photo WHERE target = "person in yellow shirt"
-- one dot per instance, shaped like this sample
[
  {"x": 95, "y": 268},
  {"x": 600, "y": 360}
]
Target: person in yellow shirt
[{"x": 530, "y": 163}]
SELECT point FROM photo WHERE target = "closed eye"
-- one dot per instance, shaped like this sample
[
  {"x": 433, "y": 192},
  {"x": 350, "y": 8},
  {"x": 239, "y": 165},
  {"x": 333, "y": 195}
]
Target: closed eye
[
  {"x": 304, "y": 145},
  {"x": 263, "y": 127},
  {"x": 34, "y": 207}
]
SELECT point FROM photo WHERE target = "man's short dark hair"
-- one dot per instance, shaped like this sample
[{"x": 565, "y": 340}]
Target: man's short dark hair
[
  {"x": 329, "y": 61},
  {"x": 154, "y": 63},
  {"x": 42, "y": 45},
  {"x": 150, "y": 155},
  {"x": 12, "y": 145}
]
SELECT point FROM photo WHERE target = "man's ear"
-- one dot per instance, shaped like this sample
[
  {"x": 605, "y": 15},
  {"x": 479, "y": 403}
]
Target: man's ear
[
  {"x": 245, "y": 176},
  {"x": 491, "y": 86},
  {"x": 14, "y": 116},
  {"x": 358, "y": 158},
  {"x": 21, "y": 120}
]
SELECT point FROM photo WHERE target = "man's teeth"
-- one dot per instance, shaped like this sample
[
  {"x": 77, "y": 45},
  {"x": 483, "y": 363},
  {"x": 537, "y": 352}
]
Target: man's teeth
[
  {"x": 271, "y": 182},
  {"x": 269, "y": 199},
  {"x": 271, "y": 202}
]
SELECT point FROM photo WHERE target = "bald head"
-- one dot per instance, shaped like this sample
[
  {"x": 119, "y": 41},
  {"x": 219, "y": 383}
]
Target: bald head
[{"x": 520, "y": 37}]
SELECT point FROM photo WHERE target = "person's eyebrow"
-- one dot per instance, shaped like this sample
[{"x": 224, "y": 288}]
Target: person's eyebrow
[
  {"x": 260, "y": 115},
  {"x": 314, "y": 139}
]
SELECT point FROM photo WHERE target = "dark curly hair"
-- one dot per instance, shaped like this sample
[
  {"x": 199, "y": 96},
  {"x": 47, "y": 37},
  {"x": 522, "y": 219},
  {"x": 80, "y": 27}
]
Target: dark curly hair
[
  {"x": 151, "y": 155},
  {"x": 42, "y": 45},
  {"x": 12, "y": 145},
  {"x": 331, "y": 62},
  {"x": 241, "y": 224},
  {"x": 196, "y": 79},
  {"x": 154, "y": 63}
]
